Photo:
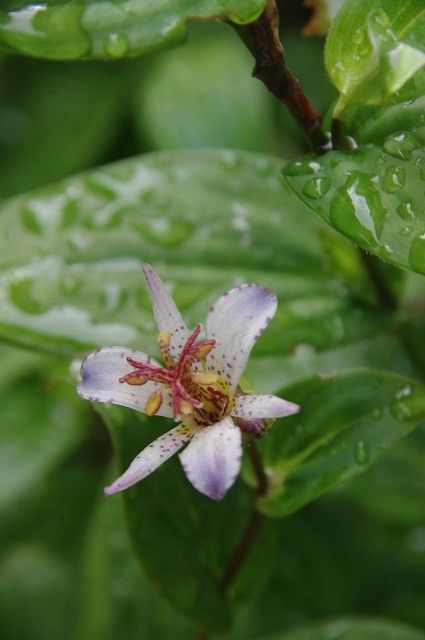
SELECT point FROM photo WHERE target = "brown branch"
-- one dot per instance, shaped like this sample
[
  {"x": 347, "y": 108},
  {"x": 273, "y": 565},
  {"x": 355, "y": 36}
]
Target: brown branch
[
  {"x": 261, "y": 37},
  {"x": 242, "y": 550}
]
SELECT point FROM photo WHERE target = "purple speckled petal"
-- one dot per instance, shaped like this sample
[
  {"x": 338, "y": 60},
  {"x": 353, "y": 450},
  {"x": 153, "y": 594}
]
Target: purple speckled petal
[
  {"x": 265, "y": 406},
  {"x": 100, "y": 374},
  {"x": 150, "y": 458},
  {"x": 167, "y": 316},
  {"x": 236, "y": 321},
  {"x": 212, "y": 459}
]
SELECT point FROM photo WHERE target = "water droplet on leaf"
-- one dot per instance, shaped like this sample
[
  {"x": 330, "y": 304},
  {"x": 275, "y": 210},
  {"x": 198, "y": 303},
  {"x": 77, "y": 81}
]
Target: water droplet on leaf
[
  {"x": 362, "y": 453},
  {"x": 317, "y": 187},
  {"x": 115, "y": 45}
]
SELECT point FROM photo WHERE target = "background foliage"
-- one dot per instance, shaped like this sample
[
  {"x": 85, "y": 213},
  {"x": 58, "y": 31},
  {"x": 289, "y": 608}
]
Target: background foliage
[{"x": 347, "y": 342}]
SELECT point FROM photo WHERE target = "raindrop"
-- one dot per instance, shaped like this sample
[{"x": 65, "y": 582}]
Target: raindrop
[
  {"x": 356, "y": 209},
  {"x": 401, "y": 145},
  {"x": 298, "y": 168},
  {"x": 165, "y": 232},
  {"x": 405, "y": 211},
  {"x": 417, "y": 254},
  {"x": 115, "y": 45},
  {"x": 362, "y": 453},
  {"x": 317, "y": 187},
  {"x": 394, "y": 178},
  {"x": 405, "y": 231}
]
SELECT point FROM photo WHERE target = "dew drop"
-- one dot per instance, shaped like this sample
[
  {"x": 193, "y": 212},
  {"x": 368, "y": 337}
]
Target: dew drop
[
  {"x": 417, "y": 254},
  {"x": 165, "y": 232},
  {"x": 115, "y": 45},
  {"x": 394, "y": 179},
  {"x": 405, "y": 211},
  {"x": 317, "y": 187},
  {"x": 401, "y": 145},
  {"x": 298, "y": 168},
  {"x": 405, "y": 231},
  {"x": 362, "y": 453}
]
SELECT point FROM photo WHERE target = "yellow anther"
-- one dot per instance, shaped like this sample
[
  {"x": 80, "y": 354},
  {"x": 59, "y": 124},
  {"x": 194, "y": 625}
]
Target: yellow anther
[
  {"x": 185, "y": 408},
  {"x": 137, "y": 379},
  {"x": 153, "y": 403},
  {"x": 164, "y": 339},
  {"x": 202, "y": 351},
  {"x": 204, "y": 377}
]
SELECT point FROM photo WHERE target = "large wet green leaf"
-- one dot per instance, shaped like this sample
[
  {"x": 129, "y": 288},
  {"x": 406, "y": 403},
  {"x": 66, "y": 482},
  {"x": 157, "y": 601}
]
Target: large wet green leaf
[
  {"x": 345, "y": 423},
  {"x": 372, "y": 195},
  {"x": 374, "y": 47},
  {"x": 56, "y": 120},
  {"x": 65, "y": 29},
  {"x": 352, "y": 629},
  {"x": 181, "y": 539},
  {"x": 206, "y": 220}
]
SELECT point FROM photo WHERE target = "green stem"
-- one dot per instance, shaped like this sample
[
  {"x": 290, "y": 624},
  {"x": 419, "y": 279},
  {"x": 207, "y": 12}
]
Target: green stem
[{"x": 261, "y": 37}]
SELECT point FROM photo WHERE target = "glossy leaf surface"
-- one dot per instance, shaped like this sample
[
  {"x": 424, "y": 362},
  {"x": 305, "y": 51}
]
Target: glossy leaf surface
[
  {"x": 65, "y": 30},
  {"x": 373, "y": 196},
  {"x": 374, "y": 48},
  {"x": 74, "y": 282},
  {"x": 341, "y": 429},
  {"x": 352, "y": 629}
]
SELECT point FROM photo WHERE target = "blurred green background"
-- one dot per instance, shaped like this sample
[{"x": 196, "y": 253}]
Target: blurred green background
[{"x": 66, "y": 569}]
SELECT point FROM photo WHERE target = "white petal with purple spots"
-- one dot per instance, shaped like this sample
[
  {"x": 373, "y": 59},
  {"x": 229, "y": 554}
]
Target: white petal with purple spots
[
  {"x": 100, "y": 374},
  {"x": 167, "y": 316},
  {"x": 150, "y": 459},
  {"x": 212, "y": 459},
  {"x": 264, "y": 406},
  {"x": 236, "y": 321}
]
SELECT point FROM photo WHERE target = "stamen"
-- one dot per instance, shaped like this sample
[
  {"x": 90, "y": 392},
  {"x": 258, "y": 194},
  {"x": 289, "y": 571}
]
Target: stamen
[
  {"x": 202, "y": 349},
  {"x": 153, "y": 403},
  {"x": 164, "y": 339},
  {"x": 185, "y": 408},
  {"x": 204, "y": 377},
  {"x": 134, "y": 378}
]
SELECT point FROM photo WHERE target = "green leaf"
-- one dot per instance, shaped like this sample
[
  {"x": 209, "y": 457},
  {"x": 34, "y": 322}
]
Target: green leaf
[
  {"x": 181, "y": 106},
  {"x": 64, "y": 29},
  {"x": 117, "y": 601},
  {"x": 36, "y": 147},
  {"x": 346, "y": 422},
  {"x": 376, "y": 124},
  {"x": 371, "y": 195},
  {"x": 352, "y": 629},
  {"x": 174, "y": 530},
  {"x": 373, "y": 48},
  {"x": 73, "y": 280},
  {"x": 41, "y": 422},
  {"x": 390, "y": 489}
]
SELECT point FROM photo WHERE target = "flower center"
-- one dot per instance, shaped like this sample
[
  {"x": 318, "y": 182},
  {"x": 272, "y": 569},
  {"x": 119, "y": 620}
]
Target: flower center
[{"x": 199, "y": 397}]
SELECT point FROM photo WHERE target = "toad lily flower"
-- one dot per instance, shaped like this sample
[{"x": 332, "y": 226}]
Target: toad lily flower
[{"x": 197, "y": 387}]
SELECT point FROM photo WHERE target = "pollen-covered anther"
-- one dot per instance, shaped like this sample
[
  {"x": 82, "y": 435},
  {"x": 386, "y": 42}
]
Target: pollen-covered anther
[
  {"x": 153, "y": 403},
  {"x": 185, "y": 408},
  {"x": 134, "y": 378},
  {"x": 164, "y": 341},
  {"x": 204, "y": 377},
  {"x": 202, "y": 349}
]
